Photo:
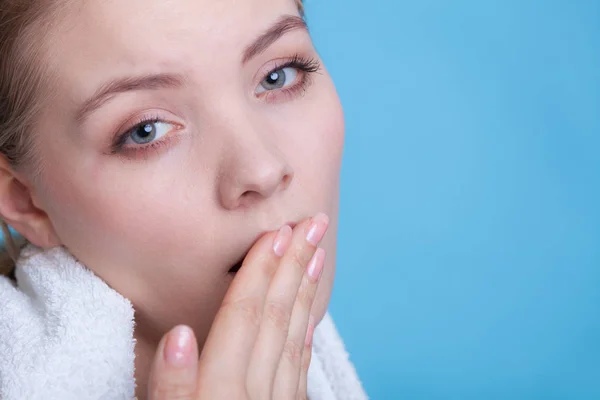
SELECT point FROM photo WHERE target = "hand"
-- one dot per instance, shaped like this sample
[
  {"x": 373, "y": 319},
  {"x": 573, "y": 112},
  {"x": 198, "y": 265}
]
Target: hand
[{"x": 259, "y": 345}]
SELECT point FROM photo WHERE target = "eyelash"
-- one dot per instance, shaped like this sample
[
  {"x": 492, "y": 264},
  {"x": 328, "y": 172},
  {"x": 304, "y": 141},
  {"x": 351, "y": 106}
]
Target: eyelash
[
  {"x": 118, "y": 145},
  {"x": 306, "y": 67}
]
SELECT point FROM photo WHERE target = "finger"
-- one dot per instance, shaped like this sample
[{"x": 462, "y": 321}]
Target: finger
[
  {"x": 174, "y": 370},
  {"x": 302, "y": 393},
  {"x": 231, "y": 339},
  {"x": 288, "y": 373},
  {"x": 279, "y": 304}
]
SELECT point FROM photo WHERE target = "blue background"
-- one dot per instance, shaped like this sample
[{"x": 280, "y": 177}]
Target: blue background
[{"x": 469, "y": 258}]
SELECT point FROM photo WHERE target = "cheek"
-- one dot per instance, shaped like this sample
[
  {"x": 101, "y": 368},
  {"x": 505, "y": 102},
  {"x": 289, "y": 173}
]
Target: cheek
[
  {"x": 321, "y": 140},
  {"x": 317, "y": 153},
  {"x": 329, "y": 121},
  {"x": 330, "y": 137},
  {"x": 144, "y": 240},
  {"x": 119, "y": 218},
  {"x": 312, "y": 130}
]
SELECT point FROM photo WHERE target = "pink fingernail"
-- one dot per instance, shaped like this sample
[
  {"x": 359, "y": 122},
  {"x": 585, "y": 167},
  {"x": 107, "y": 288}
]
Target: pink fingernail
[
  {"x": 310, "y": 331},
  {"x": 282, "y": 241},
  {"x": 315, "y": 266},
  {"x": 317, "y": 229},
  {"x": 178, "y": 349}
]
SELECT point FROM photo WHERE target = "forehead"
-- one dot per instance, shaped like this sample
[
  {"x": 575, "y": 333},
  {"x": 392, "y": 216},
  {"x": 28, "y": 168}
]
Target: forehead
[{"x": 147, "y": 36}]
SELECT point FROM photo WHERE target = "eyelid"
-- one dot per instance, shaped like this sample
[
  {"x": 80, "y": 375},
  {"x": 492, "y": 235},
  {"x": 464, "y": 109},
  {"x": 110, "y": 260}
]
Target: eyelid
[
  {"x": 120, "y": 135},
  {"x": 306, "y": 67},
  {"x": 143, "y": 116},
  {"x": 276, "y": 64},
  {"x": 158, "y": 123}
]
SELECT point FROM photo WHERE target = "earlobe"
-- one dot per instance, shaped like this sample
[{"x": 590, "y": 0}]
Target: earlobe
[{"x": 17, "y": 209}]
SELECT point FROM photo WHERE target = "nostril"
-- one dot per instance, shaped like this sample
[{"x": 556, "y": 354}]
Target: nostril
[
  {"x": 248, "y": 194},
  {"x": 287, "y": 178},
  {"x": 252, "y": 184}
]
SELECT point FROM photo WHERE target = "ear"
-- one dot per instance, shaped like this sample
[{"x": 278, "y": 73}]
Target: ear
[{"x": 18, "y": 209}]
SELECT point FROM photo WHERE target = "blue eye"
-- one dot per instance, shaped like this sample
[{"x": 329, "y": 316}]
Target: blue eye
[
  {"x": 147, "y": 132},
  {"x": 278, "y": 79}
]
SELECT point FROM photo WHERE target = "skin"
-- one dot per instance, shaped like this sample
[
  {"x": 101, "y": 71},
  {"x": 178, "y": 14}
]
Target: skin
[
  {"x": 163, "y": 227},
  {"x": 259, "y": 346}
]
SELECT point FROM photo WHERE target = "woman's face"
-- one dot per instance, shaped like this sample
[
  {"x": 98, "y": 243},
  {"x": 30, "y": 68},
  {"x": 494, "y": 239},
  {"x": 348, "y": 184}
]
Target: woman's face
[{"x": 177, "y": 132}]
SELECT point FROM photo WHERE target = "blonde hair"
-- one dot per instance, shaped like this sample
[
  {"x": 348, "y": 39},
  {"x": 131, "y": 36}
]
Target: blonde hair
[
  {"x": 21, "y": 81},
  {"x": 20, "y": 87}
]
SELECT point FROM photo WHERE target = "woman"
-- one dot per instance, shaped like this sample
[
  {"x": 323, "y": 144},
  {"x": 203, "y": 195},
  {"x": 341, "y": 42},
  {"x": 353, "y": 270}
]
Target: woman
[{"x": 160, "y": 143}]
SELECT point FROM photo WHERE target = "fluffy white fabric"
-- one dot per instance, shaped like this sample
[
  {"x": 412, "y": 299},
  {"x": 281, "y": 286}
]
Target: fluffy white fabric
[{"x": 65, "y": 334}]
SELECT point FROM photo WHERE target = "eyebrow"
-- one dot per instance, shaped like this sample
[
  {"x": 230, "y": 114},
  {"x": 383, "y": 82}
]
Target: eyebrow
[
  {"x": 126, "y": 84},
  {"x": 285, "y": 24}
]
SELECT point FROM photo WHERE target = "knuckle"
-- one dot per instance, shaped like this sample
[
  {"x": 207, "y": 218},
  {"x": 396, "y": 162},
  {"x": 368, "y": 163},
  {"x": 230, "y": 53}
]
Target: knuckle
[
  {"x": 296, "y": 262},
  {"x": 267, "y": 267},
  {"x": 278, "y": 314},
  {"x": 305, "y": 297},
  {"x": 300, "y": 258},
  {"x": 247, "y": 308},
  {"x": 293, "y": 351}
]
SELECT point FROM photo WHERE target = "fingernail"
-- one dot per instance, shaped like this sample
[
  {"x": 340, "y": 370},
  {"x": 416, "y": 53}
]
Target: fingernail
[
  {"x": 315, "y": 266},
  {"x": 310, "y": 331},
  {"x": 317, "y": 229},
  {"x": 282, "y": 241},
  {"x": 178, "y": 349}
]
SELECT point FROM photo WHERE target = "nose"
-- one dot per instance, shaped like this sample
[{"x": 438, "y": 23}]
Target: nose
[{"x": 256, "y": 170}]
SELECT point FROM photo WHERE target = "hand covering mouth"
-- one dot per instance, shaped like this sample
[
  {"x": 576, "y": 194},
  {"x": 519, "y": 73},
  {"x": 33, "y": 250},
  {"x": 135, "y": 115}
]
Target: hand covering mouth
[{"x": 236, "y": 267}]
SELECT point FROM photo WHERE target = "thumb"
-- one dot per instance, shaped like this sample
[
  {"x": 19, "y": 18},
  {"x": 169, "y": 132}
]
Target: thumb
[{"x": 174, "y": 371}]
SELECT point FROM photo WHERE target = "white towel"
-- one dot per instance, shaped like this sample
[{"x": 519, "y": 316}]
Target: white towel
[{"x": 65, "y": 334}]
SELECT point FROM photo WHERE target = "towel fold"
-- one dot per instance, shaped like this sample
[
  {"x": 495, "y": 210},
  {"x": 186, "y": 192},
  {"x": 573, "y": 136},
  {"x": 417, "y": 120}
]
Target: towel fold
[{"x": 65, "y": 334}]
